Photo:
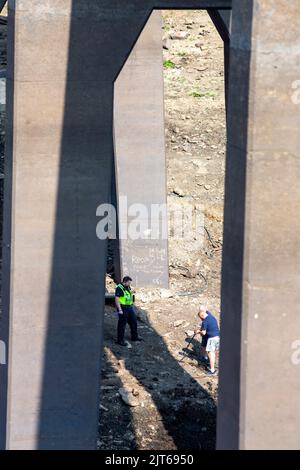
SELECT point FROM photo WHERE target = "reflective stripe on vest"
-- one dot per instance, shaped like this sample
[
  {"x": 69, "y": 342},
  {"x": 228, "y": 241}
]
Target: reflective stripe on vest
[{"x": 127, "y": 298}]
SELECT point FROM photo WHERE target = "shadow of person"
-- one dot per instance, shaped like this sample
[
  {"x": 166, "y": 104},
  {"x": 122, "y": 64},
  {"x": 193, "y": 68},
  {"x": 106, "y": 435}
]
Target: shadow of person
[
  {"x": 193, "y": 351},
  {"x": 123, "y": 434},
  {"x": 186, "y": 411}
]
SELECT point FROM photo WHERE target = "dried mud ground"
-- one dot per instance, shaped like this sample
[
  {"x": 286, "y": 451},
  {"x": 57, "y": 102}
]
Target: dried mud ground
[{"x": 175, "y": 402}]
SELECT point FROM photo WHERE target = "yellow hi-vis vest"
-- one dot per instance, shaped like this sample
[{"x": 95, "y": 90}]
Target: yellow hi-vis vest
[{"x": 127, "y": 298}]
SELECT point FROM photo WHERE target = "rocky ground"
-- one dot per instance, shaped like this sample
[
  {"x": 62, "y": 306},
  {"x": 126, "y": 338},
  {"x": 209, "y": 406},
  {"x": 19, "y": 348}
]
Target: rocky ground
[
  {"x": 175, "y": 402},
  {"x": 151, "y": 400}
]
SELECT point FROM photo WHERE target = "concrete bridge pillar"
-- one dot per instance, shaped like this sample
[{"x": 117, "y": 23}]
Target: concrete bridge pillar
[
  {"x": 259, "y": 403},
  {"x": 140, "y": 164},
  {"x": 58, "y": 170}
]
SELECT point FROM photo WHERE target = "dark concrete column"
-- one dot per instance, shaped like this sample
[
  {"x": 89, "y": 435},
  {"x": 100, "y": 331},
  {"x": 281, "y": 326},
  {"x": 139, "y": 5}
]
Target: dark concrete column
[
  {"x": 222, "y": 21},
  {"x": 58, "y": 171},
  {"x": 140, "y": 164},
  {"x": 259, "y": 402}
]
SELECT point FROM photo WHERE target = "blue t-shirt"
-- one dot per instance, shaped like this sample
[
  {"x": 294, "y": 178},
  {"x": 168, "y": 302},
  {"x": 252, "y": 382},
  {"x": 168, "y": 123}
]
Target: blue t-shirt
[{"x": 210, "y": 325}]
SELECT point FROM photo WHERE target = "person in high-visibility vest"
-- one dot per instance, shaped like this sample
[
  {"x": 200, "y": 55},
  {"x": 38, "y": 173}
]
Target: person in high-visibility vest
[{"x": 124, "y": 299}]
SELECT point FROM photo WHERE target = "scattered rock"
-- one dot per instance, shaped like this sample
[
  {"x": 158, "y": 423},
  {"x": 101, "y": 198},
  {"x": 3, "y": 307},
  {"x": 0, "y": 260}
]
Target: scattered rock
[
  {"x": 129, "y": 436},
  {"x": 207, "y": 186},
  {"x": 164, "y": 373},
  {"x": 158, "y": 358},
  {"x": 165, "y": 294},
  {"x": 178, "y": 323},
  {"x": 178, "y": 191},
  {"x": 143, "y": 298},
  {"x": 103, "y": 408},
  {"x": 166, "y": 44},
  {"x": 189, "y": 22},
  {"x": 128, "y": 398},
  {"x": 179, "y": 35}
]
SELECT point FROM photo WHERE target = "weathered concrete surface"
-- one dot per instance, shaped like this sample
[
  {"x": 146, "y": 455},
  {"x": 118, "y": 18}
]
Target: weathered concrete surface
[
  {"x": 259, "y": 404},
  {"x": 140, "y": 163},
  {"x": 60, "y": 167}
]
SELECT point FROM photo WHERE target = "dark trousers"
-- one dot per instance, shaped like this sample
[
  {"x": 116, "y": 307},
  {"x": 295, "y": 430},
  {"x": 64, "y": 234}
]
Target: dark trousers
[{"x": 129, "y": 317}]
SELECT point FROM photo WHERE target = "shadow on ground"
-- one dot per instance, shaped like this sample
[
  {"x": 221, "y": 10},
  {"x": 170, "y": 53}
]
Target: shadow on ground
[{"x": 174, "y": 411}]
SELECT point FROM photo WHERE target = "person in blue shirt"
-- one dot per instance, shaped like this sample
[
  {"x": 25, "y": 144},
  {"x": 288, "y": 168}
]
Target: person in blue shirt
[{"x": 210, "y": 332}]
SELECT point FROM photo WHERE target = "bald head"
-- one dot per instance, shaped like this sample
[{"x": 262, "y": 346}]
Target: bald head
[{"x": 202, "y": 312}]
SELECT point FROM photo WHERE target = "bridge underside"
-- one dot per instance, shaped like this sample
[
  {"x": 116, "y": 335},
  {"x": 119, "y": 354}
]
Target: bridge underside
[{"x": 59, "y": 160}]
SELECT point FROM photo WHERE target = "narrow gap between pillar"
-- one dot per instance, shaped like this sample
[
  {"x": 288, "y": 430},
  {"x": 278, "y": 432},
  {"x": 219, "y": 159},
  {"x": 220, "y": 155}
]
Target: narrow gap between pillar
[{"x": 153, "y": 396}]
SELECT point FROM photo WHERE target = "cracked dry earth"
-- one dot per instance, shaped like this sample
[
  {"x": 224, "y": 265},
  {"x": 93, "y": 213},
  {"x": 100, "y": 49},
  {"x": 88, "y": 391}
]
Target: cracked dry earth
[{"x": 171, "y": 404}]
